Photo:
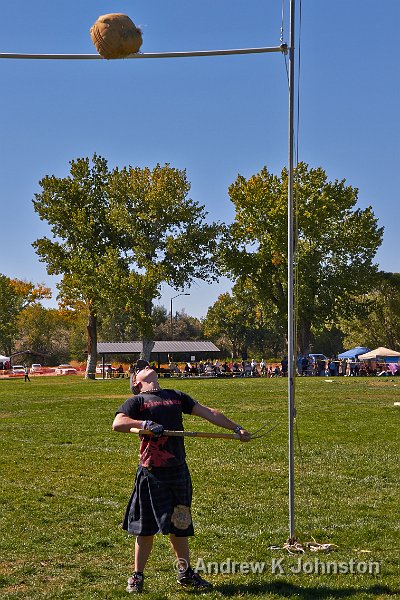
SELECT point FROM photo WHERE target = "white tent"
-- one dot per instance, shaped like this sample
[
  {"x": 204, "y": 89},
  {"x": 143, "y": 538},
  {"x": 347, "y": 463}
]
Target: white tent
[
  {"x": 4, "y": 358},
  {"x": 381, "y": 354}
]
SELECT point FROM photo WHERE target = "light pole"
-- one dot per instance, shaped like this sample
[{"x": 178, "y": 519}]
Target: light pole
[{"x": 171, "y": 322}]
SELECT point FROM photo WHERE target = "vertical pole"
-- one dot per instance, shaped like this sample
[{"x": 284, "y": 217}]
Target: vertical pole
[
  {"x": 291, "y": 315},
  {"x": 171, "y": 322}
]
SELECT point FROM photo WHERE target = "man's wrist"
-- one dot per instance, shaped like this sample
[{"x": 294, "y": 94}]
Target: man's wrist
[{"x": 237, "y": 429}]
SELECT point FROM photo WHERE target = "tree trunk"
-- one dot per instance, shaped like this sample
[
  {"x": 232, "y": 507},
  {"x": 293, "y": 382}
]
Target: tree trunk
[
  {"x": 147, "y": 332},
  {"x": 235, "y": 350},
  {"x": 304, "y": 335},
  {"x": 147, "y": 347},
  {"x": 92, "y": 346}
]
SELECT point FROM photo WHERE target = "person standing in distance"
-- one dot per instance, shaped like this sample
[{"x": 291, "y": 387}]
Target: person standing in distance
[{"x": 162, "y": 494}]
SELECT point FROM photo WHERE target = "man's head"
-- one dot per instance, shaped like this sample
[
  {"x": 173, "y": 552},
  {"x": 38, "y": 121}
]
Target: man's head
[
  {"x": 144, "y": 380},
  {"x": 141, "y": 364}
]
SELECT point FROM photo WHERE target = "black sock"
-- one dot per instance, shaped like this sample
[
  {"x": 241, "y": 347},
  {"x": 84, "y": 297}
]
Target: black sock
[{"x": 186, "y": 571}]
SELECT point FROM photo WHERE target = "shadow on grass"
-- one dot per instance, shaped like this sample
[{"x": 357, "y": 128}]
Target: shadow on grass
[{"x": 290, "y": 590}]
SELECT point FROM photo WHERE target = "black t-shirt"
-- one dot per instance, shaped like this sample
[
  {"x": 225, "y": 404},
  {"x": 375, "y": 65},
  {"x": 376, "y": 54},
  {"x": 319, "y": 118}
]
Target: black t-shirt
[{"x": 164, "y": 407}]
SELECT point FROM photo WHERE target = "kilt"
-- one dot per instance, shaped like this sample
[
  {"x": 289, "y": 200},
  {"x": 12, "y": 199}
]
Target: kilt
[{"x": 157, "y": 491}]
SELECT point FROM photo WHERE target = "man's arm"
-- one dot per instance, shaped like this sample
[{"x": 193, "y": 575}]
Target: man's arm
[
  {"x": 218, "y": 418},
  {"x": 123, "y": 423}
]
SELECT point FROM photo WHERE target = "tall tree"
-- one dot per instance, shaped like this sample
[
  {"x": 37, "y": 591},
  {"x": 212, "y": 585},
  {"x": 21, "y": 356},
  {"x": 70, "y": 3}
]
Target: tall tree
[
  {"x": 44, "y": 332},
  {"x": 184, "y": 326},
  {"x": 16, "y": 295},
  {"x": 379, "y": 323},
  {"x": 167, "y": 234},
  {"x": 84, "y": 245},
  {"x": 336, "y": 244},
  {"x": 117, "y": 236},
  {"x": 240, "y": 324}
]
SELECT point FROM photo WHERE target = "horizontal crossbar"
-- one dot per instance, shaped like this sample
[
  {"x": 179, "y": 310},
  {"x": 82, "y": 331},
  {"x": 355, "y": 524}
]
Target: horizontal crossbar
[{"x": 282, "y": 48}]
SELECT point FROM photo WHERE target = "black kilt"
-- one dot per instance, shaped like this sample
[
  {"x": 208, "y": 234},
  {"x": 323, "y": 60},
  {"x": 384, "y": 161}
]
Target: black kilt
[{"x": 155, "y": 494}]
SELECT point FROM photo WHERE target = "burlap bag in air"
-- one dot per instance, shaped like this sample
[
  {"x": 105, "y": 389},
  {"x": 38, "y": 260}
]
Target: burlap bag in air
[{"x": 115, "y": 36}]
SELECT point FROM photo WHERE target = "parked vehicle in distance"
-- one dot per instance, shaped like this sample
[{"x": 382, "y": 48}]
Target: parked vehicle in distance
[
  {"x": 18, "y": 370},
  {"x": 65, "y": 370},
  {"x": 36, "y": 368},
  {"x": 315, "y": 357}
]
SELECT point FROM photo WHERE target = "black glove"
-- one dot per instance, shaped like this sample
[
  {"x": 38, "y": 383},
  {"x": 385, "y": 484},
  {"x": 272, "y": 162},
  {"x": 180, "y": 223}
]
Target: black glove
[{"x": 156, "y": 429}]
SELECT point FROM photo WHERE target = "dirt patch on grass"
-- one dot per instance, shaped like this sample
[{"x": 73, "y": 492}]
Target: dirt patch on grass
[
  {"x": 5, "y": 415},
  {"x": 17, "y": 588},
  {"x": 383, "y": 382},
  {"x": 111, "y": 397}
]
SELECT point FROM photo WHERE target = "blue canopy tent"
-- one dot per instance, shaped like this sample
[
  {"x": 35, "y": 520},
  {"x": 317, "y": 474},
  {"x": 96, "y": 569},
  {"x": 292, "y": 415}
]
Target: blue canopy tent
[{"x": 353, "y": 353}]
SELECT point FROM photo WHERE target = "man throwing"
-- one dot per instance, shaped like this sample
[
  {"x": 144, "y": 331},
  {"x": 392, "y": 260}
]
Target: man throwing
[{"x": 162, "y": 494}]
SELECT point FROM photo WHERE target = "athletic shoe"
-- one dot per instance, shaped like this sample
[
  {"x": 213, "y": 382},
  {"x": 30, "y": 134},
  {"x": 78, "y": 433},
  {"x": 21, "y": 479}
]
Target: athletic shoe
[
  {"x": 189, "y": 578},
  {"x": 135, "y": 583}
]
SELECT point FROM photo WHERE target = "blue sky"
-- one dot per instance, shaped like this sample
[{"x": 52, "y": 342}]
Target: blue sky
[{"x": 215, "y": 117}]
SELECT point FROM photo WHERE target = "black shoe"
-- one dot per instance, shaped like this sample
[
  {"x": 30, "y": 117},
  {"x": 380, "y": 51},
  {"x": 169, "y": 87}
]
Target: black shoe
[
  {"x": 189, "y": 578},
  {"x": 135, "y": 584}
]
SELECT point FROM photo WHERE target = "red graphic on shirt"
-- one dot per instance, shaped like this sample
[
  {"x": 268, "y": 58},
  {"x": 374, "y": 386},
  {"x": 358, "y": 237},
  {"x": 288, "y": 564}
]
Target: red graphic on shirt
[
  {"x": 154, "y": 403},
  {"x": 153, "y": 453}
]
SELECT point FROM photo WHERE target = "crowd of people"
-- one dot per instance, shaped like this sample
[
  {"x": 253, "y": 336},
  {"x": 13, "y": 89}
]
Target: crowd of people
[
  {"x": 334, "y": 367},
  {"x": 216, "y": 368},
  {"x": 305, "y": 367}
]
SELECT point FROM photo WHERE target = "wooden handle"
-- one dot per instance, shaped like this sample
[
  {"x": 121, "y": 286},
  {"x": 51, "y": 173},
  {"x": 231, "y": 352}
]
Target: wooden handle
[{"x": 201, "y": 434}]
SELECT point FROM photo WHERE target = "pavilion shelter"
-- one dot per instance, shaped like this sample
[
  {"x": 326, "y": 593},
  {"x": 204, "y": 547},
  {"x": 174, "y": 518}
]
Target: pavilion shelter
[{"x": 162, "y": 351}]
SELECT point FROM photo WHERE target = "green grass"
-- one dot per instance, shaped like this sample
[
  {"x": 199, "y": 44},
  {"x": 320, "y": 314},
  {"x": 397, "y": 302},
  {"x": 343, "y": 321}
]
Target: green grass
[{"x": 66, "y": 478}]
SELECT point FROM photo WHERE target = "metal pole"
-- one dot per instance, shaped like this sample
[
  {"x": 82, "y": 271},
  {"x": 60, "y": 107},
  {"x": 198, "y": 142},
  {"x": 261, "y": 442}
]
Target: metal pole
[
  {"x": 140, "y": 55},
  {"x": 171, "y": 322},
  {"x": 291, "y": 316}
]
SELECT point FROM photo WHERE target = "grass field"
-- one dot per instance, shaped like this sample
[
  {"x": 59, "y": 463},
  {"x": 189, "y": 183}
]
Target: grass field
[{"x": 66, "y": 478}]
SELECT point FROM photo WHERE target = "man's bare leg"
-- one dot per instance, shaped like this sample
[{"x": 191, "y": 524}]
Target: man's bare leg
[
  {"x": 186, "y": 576},
  {"x": 180, "y": 546},
  {"x": 143, "y": 546}
]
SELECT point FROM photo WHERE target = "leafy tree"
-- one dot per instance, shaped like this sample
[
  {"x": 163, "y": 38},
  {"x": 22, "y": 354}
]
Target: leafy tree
[
  {"x": 160, "y": 317},
  {"x": 185, "y": 327},
  {"x": 77, "y": 320},
  {"x": 380, "y": 326},
  {"x": 117, "y": 236},
  {"x": 44, "y": 333},
  {"x": 15, "y": 296},
  {"x": 166, "y": 233},
  {"x": 328, "y": 340},
  {"x": 227, "y": 323},
  {"x": 118, "y": 326},
  {"x": 84, "y": 248},
  {"x": 336, "y": 244},
  {"x": 239, "y": 324}
]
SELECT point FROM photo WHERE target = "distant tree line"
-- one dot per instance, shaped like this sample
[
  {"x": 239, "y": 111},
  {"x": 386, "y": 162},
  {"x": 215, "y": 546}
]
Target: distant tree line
[
  {"x": 118, "y": 235},
  {"x": 235, "y": 324}
]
